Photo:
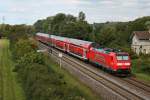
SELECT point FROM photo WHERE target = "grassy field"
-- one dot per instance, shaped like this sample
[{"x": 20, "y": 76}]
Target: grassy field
[{"x": 10, "y": 89}]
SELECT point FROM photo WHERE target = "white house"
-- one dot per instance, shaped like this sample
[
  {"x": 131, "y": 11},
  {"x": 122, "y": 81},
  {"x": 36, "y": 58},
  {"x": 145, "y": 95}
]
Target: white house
[{"x": 141, "y": 42}]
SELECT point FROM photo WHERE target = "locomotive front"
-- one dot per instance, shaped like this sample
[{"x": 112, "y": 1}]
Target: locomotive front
[{"x": 123, "y": 63}]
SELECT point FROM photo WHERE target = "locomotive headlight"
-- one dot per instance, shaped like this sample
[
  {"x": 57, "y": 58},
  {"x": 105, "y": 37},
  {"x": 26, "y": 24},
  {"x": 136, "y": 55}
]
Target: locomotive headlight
[
  {"x": 127, "y": 64},
  {"x": 119, "y": 64}
]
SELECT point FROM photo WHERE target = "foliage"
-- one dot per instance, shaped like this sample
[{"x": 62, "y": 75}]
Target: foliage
[
  {"x": 22, "y": 47},
  {"x": 39, "y": 80},
  {"x": 145, "y": 64},
  {"x": 42, "y": 83},
  {"x": 142, "y": 64},
  {"x": 65, "y": 25},
  {"x": 14, "y": 32},
  {"x": 81, "y": 16},
  {"x": 109, "y": 34},
  {"x": 147, "y": 24},
  {"x": 106, "y": 36}
]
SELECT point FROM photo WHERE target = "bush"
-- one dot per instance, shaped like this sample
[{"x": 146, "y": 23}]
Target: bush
[
  {"x": 141, "y": 65},
  {"x": 36, "y": 82},
  {"x": 42, "y": 83},
  {"x": 39, "y": 81},
  {"x": 22, "y": 47},
  {"x": 145, "y": 65},
  {"x": 133, "y": 55}
]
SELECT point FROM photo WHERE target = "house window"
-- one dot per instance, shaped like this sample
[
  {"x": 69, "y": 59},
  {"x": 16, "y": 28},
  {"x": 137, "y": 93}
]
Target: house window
[
  {"x": 144, "y": 51},
  {"x": 140, "y": 49},
  {"x": 135, "y": 43}
]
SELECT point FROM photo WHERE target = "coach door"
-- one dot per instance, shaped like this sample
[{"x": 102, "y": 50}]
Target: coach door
[
  {"x": 84, "y": 54},
  {"x": 65, "y": 47}
]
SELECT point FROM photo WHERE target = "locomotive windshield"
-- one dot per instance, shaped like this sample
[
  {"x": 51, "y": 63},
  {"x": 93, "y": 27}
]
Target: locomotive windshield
[{"x": 123, "y": 57}]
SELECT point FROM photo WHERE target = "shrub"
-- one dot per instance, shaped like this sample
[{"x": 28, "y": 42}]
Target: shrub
[
  {"x": 145, "y": 66},
  {"x": 22, "y": 47}
]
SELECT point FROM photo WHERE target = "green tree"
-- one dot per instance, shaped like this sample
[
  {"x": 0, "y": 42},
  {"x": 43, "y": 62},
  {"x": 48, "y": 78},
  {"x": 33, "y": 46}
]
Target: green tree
[
  {"x": 106, "y": 36},
  {"x": 147, "y": 24},
  {"x": 22, "y": 47},
  {"x": 39, "y": 26},
  {"x": 81, "y": 16}
]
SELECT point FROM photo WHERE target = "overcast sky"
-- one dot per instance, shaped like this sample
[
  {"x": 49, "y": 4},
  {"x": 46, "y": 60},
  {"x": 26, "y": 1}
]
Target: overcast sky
[{"x": 29, "y": 11}]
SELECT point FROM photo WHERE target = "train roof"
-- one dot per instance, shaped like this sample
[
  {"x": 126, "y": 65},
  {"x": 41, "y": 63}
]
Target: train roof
[
  {"x": 77, "y": 42},
  {"x": 112, "y": 51},
  {"x": 82, "y": 43},
  {"x": 43, "y": 34},
  {"x": 59, "y": 38}
]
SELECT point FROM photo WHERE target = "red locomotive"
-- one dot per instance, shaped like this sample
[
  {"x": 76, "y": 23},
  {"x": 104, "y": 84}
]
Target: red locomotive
[{"x": 110, "y": 59}]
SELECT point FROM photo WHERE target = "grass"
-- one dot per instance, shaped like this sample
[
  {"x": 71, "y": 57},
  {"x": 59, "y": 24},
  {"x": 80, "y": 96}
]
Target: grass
[
  {"x": 10, "y": 89},
  {"x": 136, "y": 70},
  {"x": 72, "y": 81}
]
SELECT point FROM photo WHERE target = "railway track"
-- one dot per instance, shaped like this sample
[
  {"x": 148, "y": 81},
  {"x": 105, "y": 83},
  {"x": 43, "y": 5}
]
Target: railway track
[
  {"x": 139, "y": 84},
  {"x": 130, "y": 91}
]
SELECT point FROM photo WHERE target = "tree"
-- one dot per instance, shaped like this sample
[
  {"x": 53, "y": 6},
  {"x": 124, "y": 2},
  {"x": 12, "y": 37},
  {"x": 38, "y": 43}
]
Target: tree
[
  {"x": 22, "y": 47},
  {"x": 70, "y": 19},
  {"x": 106, "y": 36},
  {"x": 81, "y": 16},
  {"x": 39, "y": 26},
  {"x": 147, "y": 24}
]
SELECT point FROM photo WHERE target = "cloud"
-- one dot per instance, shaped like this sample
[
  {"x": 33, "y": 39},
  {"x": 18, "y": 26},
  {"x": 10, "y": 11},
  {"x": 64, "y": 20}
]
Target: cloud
[{"x": 29, "y": 11}]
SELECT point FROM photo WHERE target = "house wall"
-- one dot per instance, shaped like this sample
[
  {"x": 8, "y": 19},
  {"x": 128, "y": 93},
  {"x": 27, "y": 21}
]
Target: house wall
[{"x": 142, "y": 46}]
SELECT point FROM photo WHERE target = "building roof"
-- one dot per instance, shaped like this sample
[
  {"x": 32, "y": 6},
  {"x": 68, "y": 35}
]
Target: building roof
[{"x": 142, "y": 35}]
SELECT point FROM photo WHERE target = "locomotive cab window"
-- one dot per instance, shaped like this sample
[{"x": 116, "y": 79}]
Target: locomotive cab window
[{"x": 123, "y": 57}]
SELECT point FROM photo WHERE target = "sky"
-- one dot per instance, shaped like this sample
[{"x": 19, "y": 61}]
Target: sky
[{"x": 29, "y": 11}]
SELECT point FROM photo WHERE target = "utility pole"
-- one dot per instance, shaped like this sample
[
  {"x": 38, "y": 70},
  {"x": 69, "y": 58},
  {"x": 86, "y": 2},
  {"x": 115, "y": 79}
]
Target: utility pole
[
  {"x": 3, "y": 20},
  {"x": 60, "y": 55},
  {"x": 93, "y": 31}
]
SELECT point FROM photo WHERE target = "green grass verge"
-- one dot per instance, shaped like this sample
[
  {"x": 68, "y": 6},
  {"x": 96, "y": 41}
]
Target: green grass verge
[
  {"x": 136, "y": 70},
  {"x": 10, "y": 89},
  {"x": 72, "y": 81}
]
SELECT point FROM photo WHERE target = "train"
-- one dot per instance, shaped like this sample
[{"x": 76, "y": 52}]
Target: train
[{"x": 115, "y": 61}]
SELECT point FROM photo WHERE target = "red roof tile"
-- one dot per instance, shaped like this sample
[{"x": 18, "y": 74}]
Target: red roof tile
[{"x": 142, "y": 35}]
